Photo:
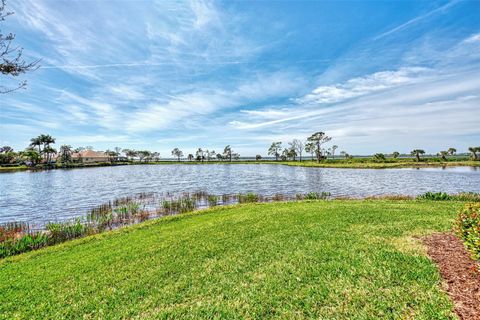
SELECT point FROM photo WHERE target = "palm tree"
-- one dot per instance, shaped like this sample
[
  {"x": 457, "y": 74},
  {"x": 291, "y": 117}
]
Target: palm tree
[
  {"x": 36, "y": 142},
  {"x": 177, "y": 153},
  {"x": 48, "y": 152},
  {"x": 395, "y": 154},
  {"x": 452, "y": 151},
  {"x": 417, "y": 153},
  {"x": 274, "y": 149},
  {"x": 474, "y": 151},
  {"x": 319, "y": 138},
  {"x": 443, "y": 155},
  {"x": 65, "y": 153}
]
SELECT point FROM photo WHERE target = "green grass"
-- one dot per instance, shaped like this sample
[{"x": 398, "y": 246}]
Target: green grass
[{"x": 314, "y": 259}]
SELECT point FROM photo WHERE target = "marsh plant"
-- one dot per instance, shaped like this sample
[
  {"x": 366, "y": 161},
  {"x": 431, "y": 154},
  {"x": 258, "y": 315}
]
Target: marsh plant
[{"x": 18, "y": 237}]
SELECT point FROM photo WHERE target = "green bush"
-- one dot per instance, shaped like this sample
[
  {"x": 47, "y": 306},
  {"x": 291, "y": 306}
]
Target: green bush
[
  {"x": 316, "y": 196},
  {"x": 467, "y": 227},
  {"x": 28, "y": 242},
  {"x": 442, "y": 196},
  {"x": 249, "y": 197}
]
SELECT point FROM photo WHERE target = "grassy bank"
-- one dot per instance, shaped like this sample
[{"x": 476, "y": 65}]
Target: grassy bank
[
  {"x": 322, "y": 259},
  {"x": 355, "y": 163}
]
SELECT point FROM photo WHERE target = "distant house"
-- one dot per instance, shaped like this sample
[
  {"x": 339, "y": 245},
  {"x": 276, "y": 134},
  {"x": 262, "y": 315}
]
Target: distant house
[{"x": 90, "y": 156}]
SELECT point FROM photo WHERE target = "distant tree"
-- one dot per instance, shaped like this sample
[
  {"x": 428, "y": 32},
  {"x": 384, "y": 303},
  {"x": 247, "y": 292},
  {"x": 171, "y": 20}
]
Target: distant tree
[
  {"x": 291, "y": 153},
  {"x": 190, "y": 157},
  {"x": 235, "y": 156},
  {"x": 7, "y": 155},
  {"x": 155, "y": 156},
  {"x": 130, "y": 154},
  {"x": 112, "y": 155},
  {"x": 417, "y": 153},
  {"x": 65, "y": 154},
  {"x": 219, "y": 156},
  {"x": 452, "y": 151},
  {"x": 334, "y": 147},
  {"x": 211, "y": 154},
  {"x": 474, "y": 151},
  {"x": 6, "y": 149},
  {"x": 258, "y": 157},
  {"x": 345, "y": 154},
  {"x": 274, "y": 150},
  {"x": 298, "y": 147},
  {"x": 36, "y": 142},
  {"x": 48, "y": 152},
  {"x": 443, "y": 155},
  {"x": 144, "y": 155},
  {"x": 177, "y": 153},
  {"x": 11, "y": 60},
  {"x": 395, "y": 154},
  {"x": 32, "y": 156},
  {"x": 318, "y": 138},
  {"x": 200, "y": 155},
  {"x": 379, "y": 157},
  {"x": 310, "y": 148},
  {"x": 227, "y": 153}
]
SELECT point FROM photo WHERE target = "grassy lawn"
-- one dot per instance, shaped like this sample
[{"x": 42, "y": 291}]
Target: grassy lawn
[{"x": 320, "y": 259}]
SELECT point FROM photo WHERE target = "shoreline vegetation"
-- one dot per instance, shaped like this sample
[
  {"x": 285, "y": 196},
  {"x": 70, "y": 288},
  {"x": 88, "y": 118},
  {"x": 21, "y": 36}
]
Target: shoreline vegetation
[
  {"x": 254, "y": 260},
  {"x": 41, "y": 154},
  {"x": 19, "y": 237},
  {"x": 354, "y": 163}
]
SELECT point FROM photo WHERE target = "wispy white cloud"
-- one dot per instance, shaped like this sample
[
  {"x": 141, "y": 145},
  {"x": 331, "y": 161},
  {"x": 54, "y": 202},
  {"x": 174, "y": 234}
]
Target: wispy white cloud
[{"x": 441, "y": 9}]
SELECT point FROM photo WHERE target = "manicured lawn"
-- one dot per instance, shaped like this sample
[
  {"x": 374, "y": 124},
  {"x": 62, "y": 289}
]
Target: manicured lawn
[{"x": 320, "y": 259}]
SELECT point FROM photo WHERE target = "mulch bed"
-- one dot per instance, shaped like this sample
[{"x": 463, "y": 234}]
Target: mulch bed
[{"x": 460, "y": 273}]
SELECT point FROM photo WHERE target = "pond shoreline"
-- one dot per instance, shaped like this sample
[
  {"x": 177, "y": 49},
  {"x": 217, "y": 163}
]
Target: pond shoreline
[{"x": 340, "y": 164}]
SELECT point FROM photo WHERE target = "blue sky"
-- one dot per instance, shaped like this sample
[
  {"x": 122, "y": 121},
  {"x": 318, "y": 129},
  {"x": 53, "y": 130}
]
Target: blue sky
[{"x": 377, "y": 76}]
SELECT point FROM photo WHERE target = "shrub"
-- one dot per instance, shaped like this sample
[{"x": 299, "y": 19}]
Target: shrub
[
  {"x": 249, "y": 197},
  {"x": 442, "y": 196},
  {"x": 467, "y": 227},
  {"x": 316, "y": 196},
  {"x": 435, "y": 196},
  {"x": 27, "y": 242},
  {"x": 379, "y": 157}
]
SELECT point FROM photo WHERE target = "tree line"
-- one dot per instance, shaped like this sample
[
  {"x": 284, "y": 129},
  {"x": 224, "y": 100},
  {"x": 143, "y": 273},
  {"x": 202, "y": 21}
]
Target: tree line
[{"x": 41, "y": 150}]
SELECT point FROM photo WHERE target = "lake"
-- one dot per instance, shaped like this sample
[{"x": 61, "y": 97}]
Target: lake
[{"x": 64, "y": 194}]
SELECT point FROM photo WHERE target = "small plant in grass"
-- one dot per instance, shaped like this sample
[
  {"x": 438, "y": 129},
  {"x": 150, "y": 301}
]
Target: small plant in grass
[
  {"x": 212, "y": 200},
  {"x": 248, "y": 198},
  {"x": 27, "y": 242},
  {"x": 467, "y": 227},
  {"x": 442, "y": 196},
  {"x": 317, "y": 196},
  {"x": 437, "y": 196}
]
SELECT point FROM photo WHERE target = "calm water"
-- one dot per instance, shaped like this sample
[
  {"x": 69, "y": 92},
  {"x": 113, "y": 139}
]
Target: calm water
[{"x": 62, "y": 194}]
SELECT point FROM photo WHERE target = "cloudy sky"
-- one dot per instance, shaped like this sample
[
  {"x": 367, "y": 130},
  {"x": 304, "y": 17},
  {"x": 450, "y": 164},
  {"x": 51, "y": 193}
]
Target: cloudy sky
[{"x": 377, "y": 76}]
